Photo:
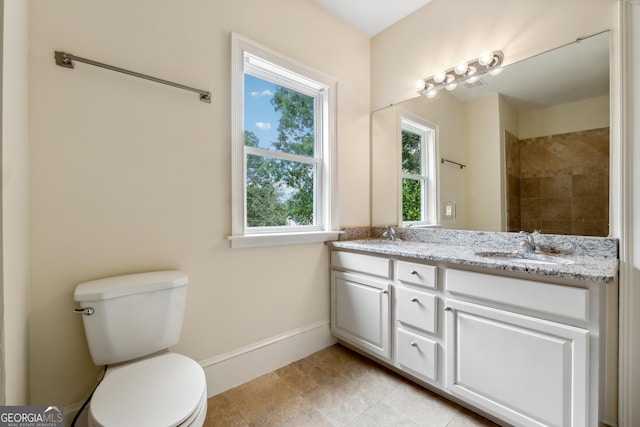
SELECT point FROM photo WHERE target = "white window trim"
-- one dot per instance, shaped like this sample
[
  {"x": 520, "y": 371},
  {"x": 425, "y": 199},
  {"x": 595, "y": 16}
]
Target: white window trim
[
  {"x": 429, "y": 131},
  {"x": 326, "y": 230}
]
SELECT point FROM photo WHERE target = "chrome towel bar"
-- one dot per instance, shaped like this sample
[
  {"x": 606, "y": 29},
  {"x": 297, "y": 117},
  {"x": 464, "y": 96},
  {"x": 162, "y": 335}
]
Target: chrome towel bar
[
  {"x": 452, "y": 162},
  {"x": 64, "y": 59}
]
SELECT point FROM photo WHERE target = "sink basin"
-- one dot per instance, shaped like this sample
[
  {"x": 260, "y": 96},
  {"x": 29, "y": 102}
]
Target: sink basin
[{"x": 523, "y": 258}]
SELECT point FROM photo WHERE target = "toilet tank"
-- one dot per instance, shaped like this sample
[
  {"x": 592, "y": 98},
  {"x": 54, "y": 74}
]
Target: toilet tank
[{"x": 133, "y": 315}]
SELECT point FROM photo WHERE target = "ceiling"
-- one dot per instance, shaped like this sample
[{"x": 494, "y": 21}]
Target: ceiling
[{"x": 371, "y": 16}]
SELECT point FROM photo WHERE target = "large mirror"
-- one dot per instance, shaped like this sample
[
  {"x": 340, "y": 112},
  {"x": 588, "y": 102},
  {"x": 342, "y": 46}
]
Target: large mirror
[{"x": 534, "y": 142}]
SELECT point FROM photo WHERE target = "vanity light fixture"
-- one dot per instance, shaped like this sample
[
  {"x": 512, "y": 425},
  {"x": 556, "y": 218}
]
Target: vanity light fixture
[{"x": 487, "y": 62}]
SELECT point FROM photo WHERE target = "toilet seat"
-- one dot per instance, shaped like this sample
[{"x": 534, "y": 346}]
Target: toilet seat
[{"x": 168, "y": 390}]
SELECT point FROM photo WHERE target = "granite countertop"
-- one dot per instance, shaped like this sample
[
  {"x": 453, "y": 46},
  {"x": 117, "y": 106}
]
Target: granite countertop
[{"x": 587, "y": 262}]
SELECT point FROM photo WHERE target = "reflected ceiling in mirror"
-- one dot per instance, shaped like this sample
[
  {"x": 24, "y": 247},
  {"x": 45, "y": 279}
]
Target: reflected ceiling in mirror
[{"x": 517, "y": 132}]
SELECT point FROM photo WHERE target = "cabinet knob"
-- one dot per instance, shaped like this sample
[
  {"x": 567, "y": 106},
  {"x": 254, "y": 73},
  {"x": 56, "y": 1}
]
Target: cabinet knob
[
  {"x": 414, "y": 299},
  {"x": 414, "y": 272},
  {"x": 384, "y": 291},
  {"x": 448, "y": 309},
  {"x": 414, "y": 344}
]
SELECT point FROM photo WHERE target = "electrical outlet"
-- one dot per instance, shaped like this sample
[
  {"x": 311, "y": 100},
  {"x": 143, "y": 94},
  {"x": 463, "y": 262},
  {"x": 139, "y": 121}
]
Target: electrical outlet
[{"x": 449, "y": 210}]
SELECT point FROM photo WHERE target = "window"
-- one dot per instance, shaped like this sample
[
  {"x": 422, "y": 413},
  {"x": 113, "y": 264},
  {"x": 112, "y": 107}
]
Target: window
[
  {"x": 419, "y": 189},
  {"x": 283, "y": 142}
]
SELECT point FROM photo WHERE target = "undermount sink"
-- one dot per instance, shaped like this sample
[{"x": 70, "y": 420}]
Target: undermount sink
[{"x": 524, "y": 258}]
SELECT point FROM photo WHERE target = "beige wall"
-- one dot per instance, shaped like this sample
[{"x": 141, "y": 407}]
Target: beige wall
[
  {"x": 485, "y": 169},
  {"x": 128, "y": 175},
  {"x": 444, "y": 32},
  {"x": 577, "y": 116},
  {"x": 442, "y": 113},
  {"x": 15, "y": 201}
]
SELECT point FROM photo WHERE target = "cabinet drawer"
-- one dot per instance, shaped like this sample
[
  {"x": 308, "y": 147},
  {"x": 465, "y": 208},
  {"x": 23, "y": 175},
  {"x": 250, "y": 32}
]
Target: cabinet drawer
[
  {"x": 544, "y": 297},
  {"x": 372, "y": 265},
  {"x": 417, "y": 309},
  {"x": 417, "y": 274},
  {"x": 417, "y": 353}
]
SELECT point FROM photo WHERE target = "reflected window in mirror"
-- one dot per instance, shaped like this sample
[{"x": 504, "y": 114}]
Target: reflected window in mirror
[{"x": 418, "y": 190}]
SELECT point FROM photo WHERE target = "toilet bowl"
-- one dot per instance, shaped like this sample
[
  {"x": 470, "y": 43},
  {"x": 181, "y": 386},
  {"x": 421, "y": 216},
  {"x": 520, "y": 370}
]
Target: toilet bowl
[
  {"x": 167, "y": 390},
  {"x": 130, "y": 322}
]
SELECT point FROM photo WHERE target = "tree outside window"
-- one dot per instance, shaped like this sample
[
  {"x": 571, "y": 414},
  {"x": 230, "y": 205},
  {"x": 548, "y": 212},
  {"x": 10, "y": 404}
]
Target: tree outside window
[{"x": 419, "y": 191}]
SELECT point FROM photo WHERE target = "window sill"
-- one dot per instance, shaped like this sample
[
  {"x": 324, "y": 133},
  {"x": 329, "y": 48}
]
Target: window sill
[{"x": 259, "y": 240}]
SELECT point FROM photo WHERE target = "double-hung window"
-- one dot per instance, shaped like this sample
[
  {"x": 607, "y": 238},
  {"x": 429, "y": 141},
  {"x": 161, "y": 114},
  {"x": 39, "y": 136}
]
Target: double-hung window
[
  {"x": 419, "y": 187},
  {"x": 283, "y": 144}
]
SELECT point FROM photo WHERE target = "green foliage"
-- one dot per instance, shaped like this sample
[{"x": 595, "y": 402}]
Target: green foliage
[
  {"x": 264, "y": 208},
  {"x": 411, "y": 165},
  {"x": 411, "y": 153},
  {"x": 280, "y": 192},
  {"x": 296, "y": 136},
  {"x": 411, "y": 200}
]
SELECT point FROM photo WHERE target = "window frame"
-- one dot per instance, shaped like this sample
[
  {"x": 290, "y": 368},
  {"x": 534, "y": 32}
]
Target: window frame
[
  {"x": 428, "y": 132},
  {"x": 266, "y": 64}
]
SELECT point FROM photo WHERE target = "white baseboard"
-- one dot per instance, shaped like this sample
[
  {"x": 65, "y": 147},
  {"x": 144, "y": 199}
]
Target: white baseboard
[{"x": 237, "y": 367}]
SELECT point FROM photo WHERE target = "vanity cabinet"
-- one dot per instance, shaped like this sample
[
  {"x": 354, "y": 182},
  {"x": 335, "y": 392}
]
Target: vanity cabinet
[
  {"x": 360, "y": 303},
  {"x": 527, "y": 352},
  {"x": 519, "y": 348}
]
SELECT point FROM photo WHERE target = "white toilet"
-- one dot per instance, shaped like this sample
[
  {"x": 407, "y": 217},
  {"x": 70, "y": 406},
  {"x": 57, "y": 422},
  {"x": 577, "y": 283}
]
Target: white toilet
[{"x": 130, "y": 322}]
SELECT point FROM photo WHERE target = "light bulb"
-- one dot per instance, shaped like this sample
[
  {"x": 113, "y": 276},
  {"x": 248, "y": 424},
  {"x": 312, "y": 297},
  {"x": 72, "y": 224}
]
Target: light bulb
[
  {"x": 439, "y": 77},
  {"x": 471, "y": 78},
  {"x": 450, "y": 85},
  {"x": 495, "y": 71},
  {"x": 420, "y": 85},
  {"x": 485, "y": 58},
  {"x": 429, "y": 91},
  {"x": 461, "y": 68}
]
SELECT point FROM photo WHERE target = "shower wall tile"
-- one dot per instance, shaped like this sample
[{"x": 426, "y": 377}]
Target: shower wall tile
[
  {"x": 564, "y": 183},
  {"x": 514, "y": 190},
  {"x": 588, "y": 185},
  {"x": 530, "y": 187},
  {"x": 556, "y": 186}
]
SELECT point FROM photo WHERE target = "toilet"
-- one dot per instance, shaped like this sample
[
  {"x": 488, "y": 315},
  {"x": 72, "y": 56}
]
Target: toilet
[{"x": 130, "y": 322}]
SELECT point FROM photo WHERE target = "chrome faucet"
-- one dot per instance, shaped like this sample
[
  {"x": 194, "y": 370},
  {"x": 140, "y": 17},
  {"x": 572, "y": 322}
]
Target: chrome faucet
[
  {"x": 529, "y": 243},
  {"x": 390, "y": 233}
]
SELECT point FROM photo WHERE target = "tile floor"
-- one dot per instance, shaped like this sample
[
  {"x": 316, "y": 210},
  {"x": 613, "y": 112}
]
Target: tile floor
[{"x": 335, "y": 387}]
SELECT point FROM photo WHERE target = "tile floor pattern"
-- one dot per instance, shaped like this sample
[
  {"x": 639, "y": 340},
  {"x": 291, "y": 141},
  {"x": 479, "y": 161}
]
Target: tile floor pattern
[{"x": 335, "y": 387}]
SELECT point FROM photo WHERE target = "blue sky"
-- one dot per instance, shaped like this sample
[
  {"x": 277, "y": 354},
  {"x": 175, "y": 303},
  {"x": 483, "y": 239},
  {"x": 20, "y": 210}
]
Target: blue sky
[{"x": 259, "y": 115}]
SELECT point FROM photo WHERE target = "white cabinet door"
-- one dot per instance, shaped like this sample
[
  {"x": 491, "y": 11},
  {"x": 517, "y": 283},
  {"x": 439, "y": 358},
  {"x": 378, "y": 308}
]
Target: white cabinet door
[
  {"x": 527, "y": 371},
  {"x": 360, "y": 311}
]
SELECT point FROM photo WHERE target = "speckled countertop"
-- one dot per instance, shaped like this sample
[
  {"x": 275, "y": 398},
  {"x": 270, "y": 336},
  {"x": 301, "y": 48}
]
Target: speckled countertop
[{"x": 592, "y": 259}]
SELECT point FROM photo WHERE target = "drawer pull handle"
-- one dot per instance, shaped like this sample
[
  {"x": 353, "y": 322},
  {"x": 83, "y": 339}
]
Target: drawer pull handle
[
  {"x": 448, "y": 309},
  {"x": 414, "y": 344},
  {"x": 384, "y": 291},
  {"x": 414, "y": 299},
  {"x": 414, "y": 272}
]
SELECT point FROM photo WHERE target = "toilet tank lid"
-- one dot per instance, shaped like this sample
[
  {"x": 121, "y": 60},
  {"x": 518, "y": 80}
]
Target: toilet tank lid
[{"x": 129, "y": 284}]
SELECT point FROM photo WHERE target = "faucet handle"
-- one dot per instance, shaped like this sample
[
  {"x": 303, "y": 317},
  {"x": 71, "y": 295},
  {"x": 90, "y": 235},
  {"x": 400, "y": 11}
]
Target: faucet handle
[
  {"x": 529, "y": 243},
  {"x": 390, "y": 233}
]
